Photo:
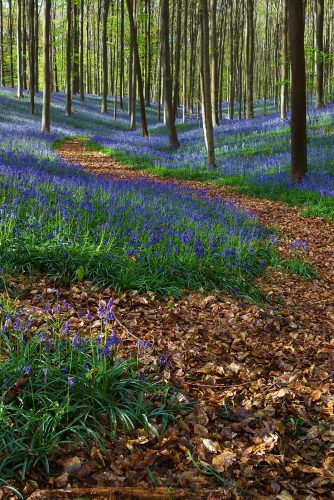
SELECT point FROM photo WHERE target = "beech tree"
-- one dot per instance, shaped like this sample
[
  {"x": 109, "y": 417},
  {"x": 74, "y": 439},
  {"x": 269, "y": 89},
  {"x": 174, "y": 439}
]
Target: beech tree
[
  {"x": 167, "y": 78},
  {"x": 19, "y": 49},
  {"x": 137, "y": 68},
  {"x": 46, "y": 67},
  {"x": 319, "y": 53},
  {"x": 68, "y": 110},
  {"x": 298, "y": 90},
  {"x": 205, "y": 83},
  {"x": 106, "y": 4}
]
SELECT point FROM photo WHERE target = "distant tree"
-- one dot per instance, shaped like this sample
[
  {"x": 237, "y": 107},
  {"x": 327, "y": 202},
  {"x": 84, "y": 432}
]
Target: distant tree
[
  {"x": 31, "y": 42},
  {"x": 285, "y": 62},
  {"x": 46, "y": 67},
  {"x": 82, "y": 90},
  {"x": 205, "y": 82},
  {"x": 137, "y": 68},
  {"x": 167, "y": 78},
  {"x": 2, "y": 65},
  {"x": 250, "y": 60},
  {"x": 214, "y": 63},
  {"x": 298, "y": 90},
  {"x": 104, "y": 108},
  {"x": 319, "y": 53},
  {"x": 68, "y": 110},
  {"x": 36, "y": 33},
  {"x": 19, "y": 59}
]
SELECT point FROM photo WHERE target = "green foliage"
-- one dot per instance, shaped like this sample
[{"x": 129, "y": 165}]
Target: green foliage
[{"x": 55, "y": 390}]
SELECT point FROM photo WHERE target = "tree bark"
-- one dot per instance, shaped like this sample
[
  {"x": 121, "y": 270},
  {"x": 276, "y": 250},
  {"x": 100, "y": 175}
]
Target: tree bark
[
  {"x": 19, "y": 49},
  {"x": 298, "y": 90},
  {"x": 104, "y": 106},
  {"x": 177, "y": 60},
  {"x": 121, "y": 73},
  {"x": 36, "y": 47},
  {"x": 75, "y": 84},
  {"x": 205, "y": 83},
  {"x": 319, "y": 53},
  {"x": 82, "y": 88},
  {"x": 250, "y": 60},
  {"x": 31, "y": 18},
  {"x": 185, "y": 55},
  {"x": 214, "y": 64},
  {"x": 137, "y": 69},
  {"x": 68, "y": 110},
  {"x": 2, "y": 66},
  {"x": 285, "y": 63},
  {"x": 167, "y": 78},
  {"x": 46, "y": 67}
]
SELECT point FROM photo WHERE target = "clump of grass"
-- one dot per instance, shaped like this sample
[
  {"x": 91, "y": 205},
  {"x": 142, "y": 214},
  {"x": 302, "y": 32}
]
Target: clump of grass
[{"x": 61, "y": 389}]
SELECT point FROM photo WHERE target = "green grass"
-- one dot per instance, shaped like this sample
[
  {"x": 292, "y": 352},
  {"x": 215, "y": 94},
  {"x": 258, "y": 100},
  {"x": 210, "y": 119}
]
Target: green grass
[{"x": 311, "y": 203}]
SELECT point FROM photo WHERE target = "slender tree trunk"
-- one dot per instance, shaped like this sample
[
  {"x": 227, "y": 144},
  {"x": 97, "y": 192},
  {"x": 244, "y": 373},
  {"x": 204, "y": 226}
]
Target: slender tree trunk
[
  {"x": 10, "y": 29},
  {"x": 133, "y": 78},
  {"x": 167, "y": 78},
  {"x": 47, "y": 67},
  {"x": 82, "y": 87},
  {"x": 2, "y": 66},
  {"x": 298, "y": 90},
  {"x": 104, "y": 107},
  {"x": 19, "y": 49},
  {"x": 121, "y": 73},
  {"x": 185, "y": 65},
  {"x": 36, "y": 47},
  {"x": 285, "y": 63},
  {"x": 232, "y": 68},
  {"x": 319, "y": 53},
  {"x": 250, "y": 59},
  {"x": 133, "y": 32},
  {"x": 205, "y": 83},
  {"x": 214, "y": 64},
  {"x": 177, "y": 60},
  {"x": 68, "y": 110},
  {"x": 32, "y": 55},
  {"x": 24, "y": 45}
]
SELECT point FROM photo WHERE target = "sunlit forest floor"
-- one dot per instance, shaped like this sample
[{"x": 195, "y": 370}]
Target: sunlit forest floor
[{"x": 219, "y": 283}]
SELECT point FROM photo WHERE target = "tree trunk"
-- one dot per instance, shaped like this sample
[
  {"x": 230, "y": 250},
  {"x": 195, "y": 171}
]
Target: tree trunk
[
  {"x": 185, "y": 66},
  {"x": 36, "y": 47},
  {"x": 121, "y": 73},
  {"x": 2, "y": 66},
  {"x": 298, "y": 90},
  {"x": 82, "y": 89},
  {"x": 319, "y": 53},
  {"x": 68, "y": 110},
  {"x": 250, "y": 59},
  {"x": 232, "y": 68},
  {"x": 167, "y": 78},
  {"x": 19, "y": 49},
  {"x": 75, "y": 85},
  {"x": 177, "y": 60},
  {"x": 31, "y": 18},
  {"x": 104, "y": 107},
  {"x": 214, "y": 64},
  {"x": 46, "y": 67},
  {"x": 205, "y": 83},
  {"x": 285, "y": 63},
  {"x": 137, "y": 69}
]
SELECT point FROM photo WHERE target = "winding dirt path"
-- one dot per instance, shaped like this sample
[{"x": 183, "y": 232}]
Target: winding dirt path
[{"x": 265, "y": 375}]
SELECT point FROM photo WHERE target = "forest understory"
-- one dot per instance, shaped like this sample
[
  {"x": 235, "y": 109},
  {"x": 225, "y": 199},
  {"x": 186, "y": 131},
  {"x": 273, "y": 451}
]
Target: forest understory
[{"x": 261, "y": 375}]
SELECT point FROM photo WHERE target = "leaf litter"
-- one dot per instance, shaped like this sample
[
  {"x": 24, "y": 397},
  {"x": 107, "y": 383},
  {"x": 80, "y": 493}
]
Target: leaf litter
[{"x": 261, "y": 376}]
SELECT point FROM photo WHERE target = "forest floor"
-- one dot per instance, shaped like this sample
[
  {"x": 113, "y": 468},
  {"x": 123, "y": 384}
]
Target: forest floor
[{"x": 262, "y": 375}]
